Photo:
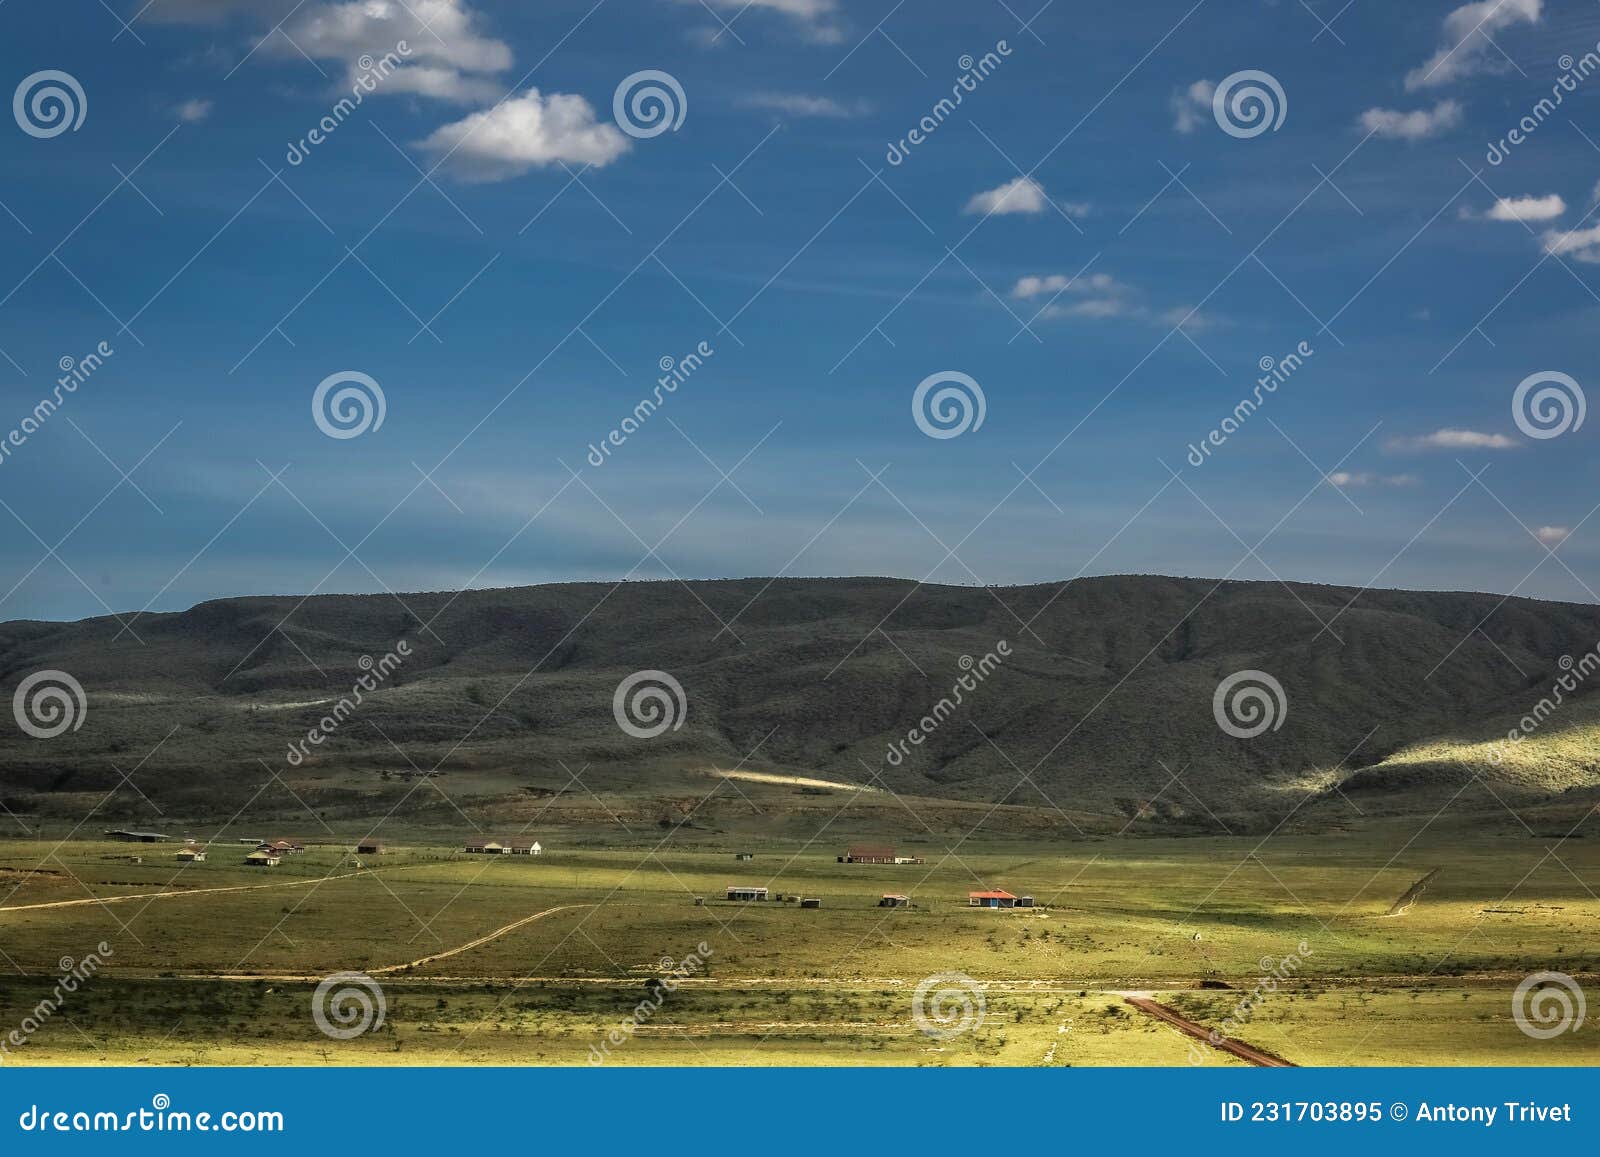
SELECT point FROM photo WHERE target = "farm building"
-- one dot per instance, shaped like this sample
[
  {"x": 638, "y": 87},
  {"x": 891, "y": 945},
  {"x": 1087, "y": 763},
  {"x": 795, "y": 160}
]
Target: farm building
[
  {"x": 736, "y": 892},
  {"x": 192, "y": 854},
  {"x": 136, "y": 837},
  {"x": 894, "y": 900},
  {"x": 281, "y": 847},
  {"x": 994, "y": 899},
  {"x": 369, "y": 848},
  {"x": 810, "y": 902},
  {"x": 261, "y": 858},
  {"x": 252, "y": 841},
  {"x": 503, "y": 847},
  {"x": 743, "y": 856},
  {"x": 876, "y": 854}
]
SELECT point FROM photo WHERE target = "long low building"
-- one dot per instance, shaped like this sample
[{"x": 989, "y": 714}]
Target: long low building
[{"x": 741, "y": 892}]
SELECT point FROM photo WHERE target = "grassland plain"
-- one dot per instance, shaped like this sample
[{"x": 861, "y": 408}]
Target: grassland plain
[{"x": 216, "y": 962}]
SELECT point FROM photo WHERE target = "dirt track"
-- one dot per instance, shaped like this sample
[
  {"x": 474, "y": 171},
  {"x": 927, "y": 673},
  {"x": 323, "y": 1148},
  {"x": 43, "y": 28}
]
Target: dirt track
[
  {"x": 1183, "y": 1024},
  {"x": 479, "y": 942}
]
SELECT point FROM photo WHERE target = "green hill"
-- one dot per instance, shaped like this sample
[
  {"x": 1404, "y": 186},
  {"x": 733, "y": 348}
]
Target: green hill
[{"x": 1106, "y": 693}]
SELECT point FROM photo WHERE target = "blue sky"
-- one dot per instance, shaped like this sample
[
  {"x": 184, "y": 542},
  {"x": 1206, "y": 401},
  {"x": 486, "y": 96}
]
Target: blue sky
[{"x": 1081, "y": 237}]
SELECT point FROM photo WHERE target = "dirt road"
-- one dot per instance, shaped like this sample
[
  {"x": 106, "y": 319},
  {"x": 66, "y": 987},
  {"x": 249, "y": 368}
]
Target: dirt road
[
  {"x": 478, "y": 943},
  {"x": 1183, "y": 1024}
]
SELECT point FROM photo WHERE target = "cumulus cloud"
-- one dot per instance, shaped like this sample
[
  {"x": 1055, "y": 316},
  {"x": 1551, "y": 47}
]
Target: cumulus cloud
[
  {"x": 1579, "y": 244},
  {"x": 1023, "y": 195},
  {"x": 1054, "y": 283},
  {"x": 193, "y": 111},
  {"x": 1414, "y": 125},
  {"x": 799, "y": 104},
  {"x": 528, "y": 131},
  {"x": 1544, "y": 208},
  {"x": 1097, "y": 296},
  {"x": 1550, "y": 535},
  {"x": 1452, "y": 439},
  {"x": 1191, "y": 106},
  {"x": 1467, "y": 47}
]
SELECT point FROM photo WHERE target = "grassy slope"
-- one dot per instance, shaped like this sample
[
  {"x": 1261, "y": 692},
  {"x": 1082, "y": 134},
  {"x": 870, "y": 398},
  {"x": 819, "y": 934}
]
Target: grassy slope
[{"x": 1110, "y": 680}]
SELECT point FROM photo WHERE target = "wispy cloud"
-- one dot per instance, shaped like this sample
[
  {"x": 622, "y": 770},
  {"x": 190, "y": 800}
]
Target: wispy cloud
[
  {"x": 1191, "y": 106},
  {"x": 1579, "y": 244},
  {"x": 193, "y": 111},
  {"x": 1415, "y": 125},
  {"x": 1361, "y": 478},
  {"x": 799, "y": 104},
  {"x": 1453, "y": 439},
  {"x": 817, "y": 20},
  {"x": 1550, "y": 535},
  {"x": 528, "y": 131},
  {"x": 1468, "y": 46},
  {"x": 1023, "y": 195}
]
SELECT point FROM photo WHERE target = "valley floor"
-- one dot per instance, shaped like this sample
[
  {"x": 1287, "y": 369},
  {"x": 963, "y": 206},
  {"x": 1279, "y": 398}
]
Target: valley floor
[{"x": 1319, "y": 950}]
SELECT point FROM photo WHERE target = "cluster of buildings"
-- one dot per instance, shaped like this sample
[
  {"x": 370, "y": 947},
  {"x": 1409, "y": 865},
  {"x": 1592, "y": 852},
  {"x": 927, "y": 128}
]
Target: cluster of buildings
[
  {"x": 270, "y": 853},
  {"x": 876, "y": 854}
]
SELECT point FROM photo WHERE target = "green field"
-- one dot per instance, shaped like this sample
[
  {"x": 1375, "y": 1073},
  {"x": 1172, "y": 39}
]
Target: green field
[{"x": 227, "y": 977}]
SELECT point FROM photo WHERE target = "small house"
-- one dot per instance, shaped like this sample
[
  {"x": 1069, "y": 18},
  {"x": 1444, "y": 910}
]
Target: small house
[
  {"x": 810, "y": 902},
  {"x": 993, "y": 899},
  {"x": 736, "y": 892},
  {"x": 288, "y": 847},
  {"x": 869, "y": 854},
  {"x": 252, "y": 841},
  {"x": 484, "y": 847},
  {"x": 192, "y": 854},
  {"x": 262, "y": 858},
  {"x": 742, "y": 856},
  {"x": 526, "y": 848},
  {"x": 369, "y": 848},
  {"x": 894, "y": 900}
]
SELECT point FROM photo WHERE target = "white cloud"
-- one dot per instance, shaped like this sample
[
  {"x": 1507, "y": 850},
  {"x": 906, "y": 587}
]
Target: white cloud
[
  {"x": 799, "y": 104},
  {"x": 1413, "y": 125},
  {"x": 1550, "y": 535},
  {"x": 816, "y": 19},
  {"x": 1579, "y": 244},
  {"x": 193, "y": 111},
  {"x": 1053, "y": 283},
  {"x": 527, "y": 131},
  {"x": 1191, "y": 106},
  {"x": 1468, "y": 48},
  {"x": 1362, "y": 478},
  {"x": 1527, "y": 208},
  {"x": 1452, "y": 439},
  {"x": 1023, "y": 195}
]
